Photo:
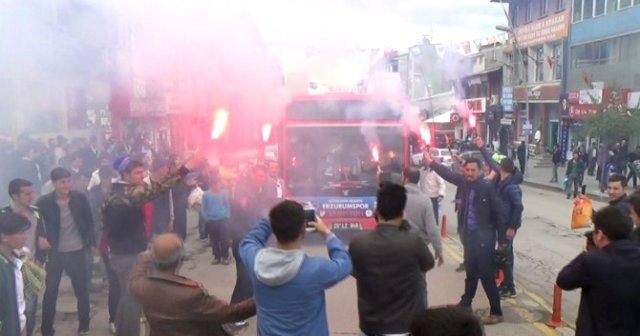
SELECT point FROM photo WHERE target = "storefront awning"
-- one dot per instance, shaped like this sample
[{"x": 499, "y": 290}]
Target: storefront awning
[{"x": 441, "y": 118}]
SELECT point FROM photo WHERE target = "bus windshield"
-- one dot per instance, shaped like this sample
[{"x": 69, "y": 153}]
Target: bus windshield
[{"x": 337, "y": 160}]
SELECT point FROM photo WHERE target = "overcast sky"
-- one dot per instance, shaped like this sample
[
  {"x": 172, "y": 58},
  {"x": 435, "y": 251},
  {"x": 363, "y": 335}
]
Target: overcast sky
[{"x": 374, "y": 23}]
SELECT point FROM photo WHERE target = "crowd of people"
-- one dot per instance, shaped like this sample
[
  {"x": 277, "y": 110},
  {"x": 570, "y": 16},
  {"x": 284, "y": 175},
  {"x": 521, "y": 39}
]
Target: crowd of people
[
  {"x": 130, "y": 208},
  {"x": 598, "y": 161}
]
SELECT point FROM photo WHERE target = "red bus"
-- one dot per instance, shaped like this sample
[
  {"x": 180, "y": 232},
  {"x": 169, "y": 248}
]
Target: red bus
[{"x": 335, "y": 150}]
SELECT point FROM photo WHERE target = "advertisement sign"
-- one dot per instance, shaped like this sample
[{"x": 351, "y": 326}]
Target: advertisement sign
[
  {"x": 551, "y": 28},
  {"x": 507, "y": 98},
  {"x": 564, "y": 139},
  {"x": 633, "y": 100},
  {"x": 345, "y": 213},
  {"x": 476, "y": 105},
  {"x": 564, "y": 105}
]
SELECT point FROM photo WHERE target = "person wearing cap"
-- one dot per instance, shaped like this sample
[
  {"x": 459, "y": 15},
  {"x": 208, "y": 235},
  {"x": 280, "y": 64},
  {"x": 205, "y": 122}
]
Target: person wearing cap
[
  {"x": 68, "y": 223},
  {"x": 13, "y": 236},
  {"x": 123, "y": 215},
  {"x": 185, "y": 307}
]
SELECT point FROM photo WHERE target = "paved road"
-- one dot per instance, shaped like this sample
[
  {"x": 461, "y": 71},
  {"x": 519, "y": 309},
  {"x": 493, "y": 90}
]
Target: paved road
[{"x": 543, "y": 245}]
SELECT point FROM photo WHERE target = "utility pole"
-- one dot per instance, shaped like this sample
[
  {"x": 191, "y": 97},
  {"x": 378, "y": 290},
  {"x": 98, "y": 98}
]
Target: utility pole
[{"x": 524, "y": 79}]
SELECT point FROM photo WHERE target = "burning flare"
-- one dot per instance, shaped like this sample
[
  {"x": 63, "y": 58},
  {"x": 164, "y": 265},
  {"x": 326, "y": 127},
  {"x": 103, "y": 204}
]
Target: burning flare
[
  {"x": 472, "y": 120},
  {"x": 425, "y": 134},
  {"x": 266, "y": 132},
  {"x": 220, "y": 120},
  {"x": 375, "y": 153}
]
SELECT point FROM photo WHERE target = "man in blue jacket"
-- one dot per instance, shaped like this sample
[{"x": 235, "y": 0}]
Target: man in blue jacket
[
  {"x": 289, "y": 285},
  {"x": 482, "y": 218}
]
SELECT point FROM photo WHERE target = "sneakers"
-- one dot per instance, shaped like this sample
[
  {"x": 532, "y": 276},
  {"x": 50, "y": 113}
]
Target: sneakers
[
  {"x": 508, "y": 293},
  {"x": 83, "y": 333},
  {"x": 240, "y": 324},
  {"x": 460, "y": 268},
  {"x": 492, "y": 319},
  {"x": 226, "y": 261},
  {"x": 112, "y": 328},
  {"x": 215, "y": 261}
]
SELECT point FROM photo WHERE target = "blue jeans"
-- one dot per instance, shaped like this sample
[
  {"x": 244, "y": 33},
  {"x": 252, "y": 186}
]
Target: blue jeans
[
  {"x": 436, "y": 209},
  {"x": 129, "y": 311},
  {"x": 75, "y": 265}
]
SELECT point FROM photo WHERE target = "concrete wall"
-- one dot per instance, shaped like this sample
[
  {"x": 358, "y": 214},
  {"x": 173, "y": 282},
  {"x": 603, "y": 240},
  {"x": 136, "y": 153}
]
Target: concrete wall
[{"x": 612, "y": 24}]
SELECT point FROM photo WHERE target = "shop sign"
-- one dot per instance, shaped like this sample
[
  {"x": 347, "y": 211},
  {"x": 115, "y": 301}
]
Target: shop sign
[
  {"x": 476, "y": 105},
  {"x": 551, "y": 28},
  {"x": 633, "y": 100}
]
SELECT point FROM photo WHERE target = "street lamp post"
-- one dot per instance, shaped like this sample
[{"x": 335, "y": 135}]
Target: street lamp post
[{"x": 525, "y": 84}]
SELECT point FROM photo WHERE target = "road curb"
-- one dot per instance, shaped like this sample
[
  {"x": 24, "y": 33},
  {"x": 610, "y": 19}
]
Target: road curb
[{"x": 542, "y": 303}]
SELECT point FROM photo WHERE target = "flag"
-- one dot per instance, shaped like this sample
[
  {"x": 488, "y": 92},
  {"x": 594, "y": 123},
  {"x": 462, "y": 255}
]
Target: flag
[{"x": 466, "y": 47}]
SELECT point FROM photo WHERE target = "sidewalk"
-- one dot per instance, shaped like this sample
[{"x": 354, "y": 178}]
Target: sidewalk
[{"x": 539, "y": 177}]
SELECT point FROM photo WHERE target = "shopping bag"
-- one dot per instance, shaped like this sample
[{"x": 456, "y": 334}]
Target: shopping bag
[
  {"x": 565, "y": 184},
  {"x": 581, "y": 215}
]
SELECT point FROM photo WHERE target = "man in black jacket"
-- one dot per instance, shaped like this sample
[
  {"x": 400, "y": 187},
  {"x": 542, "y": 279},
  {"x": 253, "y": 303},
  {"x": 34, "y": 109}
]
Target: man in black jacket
[
  {"x": 69, "y": 230},
  {"x": 608, "y": 277},
  {"x": 483, "y": 219},
  {"x": 389, "y": 265}
]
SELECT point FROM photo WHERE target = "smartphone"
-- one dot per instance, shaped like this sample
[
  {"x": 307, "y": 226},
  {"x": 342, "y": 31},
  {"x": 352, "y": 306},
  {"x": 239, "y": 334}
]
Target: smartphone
[{"x": 309, "y": 215}]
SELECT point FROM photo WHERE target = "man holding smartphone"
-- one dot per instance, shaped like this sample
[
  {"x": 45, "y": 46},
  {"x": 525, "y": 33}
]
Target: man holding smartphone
[{"x": 289, "y": 285}]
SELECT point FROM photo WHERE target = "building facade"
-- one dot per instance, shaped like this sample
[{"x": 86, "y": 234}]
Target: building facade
[
  {"x": 55, "y": 66},
  {"x": 605, "y": 49},
  {"x": 540, "y": 31}
]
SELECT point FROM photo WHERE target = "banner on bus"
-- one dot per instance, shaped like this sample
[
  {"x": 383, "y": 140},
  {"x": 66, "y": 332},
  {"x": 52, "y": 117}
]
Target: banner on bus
[{"x": 344, "y": 213}]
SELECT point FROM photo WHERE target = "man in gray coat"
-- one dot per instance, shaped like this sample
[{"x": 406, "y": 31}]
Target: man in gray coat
[{"x": 419, "y": 213}]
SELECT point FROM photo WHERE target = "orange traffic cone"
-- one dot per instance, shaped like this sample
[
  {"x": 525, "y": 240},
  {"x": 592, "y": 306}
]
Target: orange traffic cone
[
  {"x": 556, "y": 316},
  {"x": 443, "y": 227}
]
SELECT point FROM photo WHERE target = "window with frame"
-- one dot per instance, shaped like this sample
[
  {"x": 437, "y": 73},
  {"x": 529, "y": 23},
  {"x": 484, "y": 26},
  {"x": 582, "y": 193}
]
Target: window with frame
[
  {"x": 612, "y": 6},
  {"x": 577, "y": 10},
  {"x": 560, "y": 5},
  {"x": 527, "y": 11},
  {"x": 625, "y": 3},
  {"x": 600, "y": 7},
  {"x": 596, "y": 53},
  {"x": 524, "y": 53},
  {"x": 557, "y": 62},
  {"x": 587, "y": 9},
  {"x": 544, "y": 7},
  {"x": 539, "y": 64},
  {"x": 630, "y": 47}
]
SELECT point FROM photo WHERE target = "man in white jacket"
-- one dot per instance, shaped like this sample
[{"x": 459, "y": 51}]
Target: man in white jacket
[{"x": 434, "y": 186}]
